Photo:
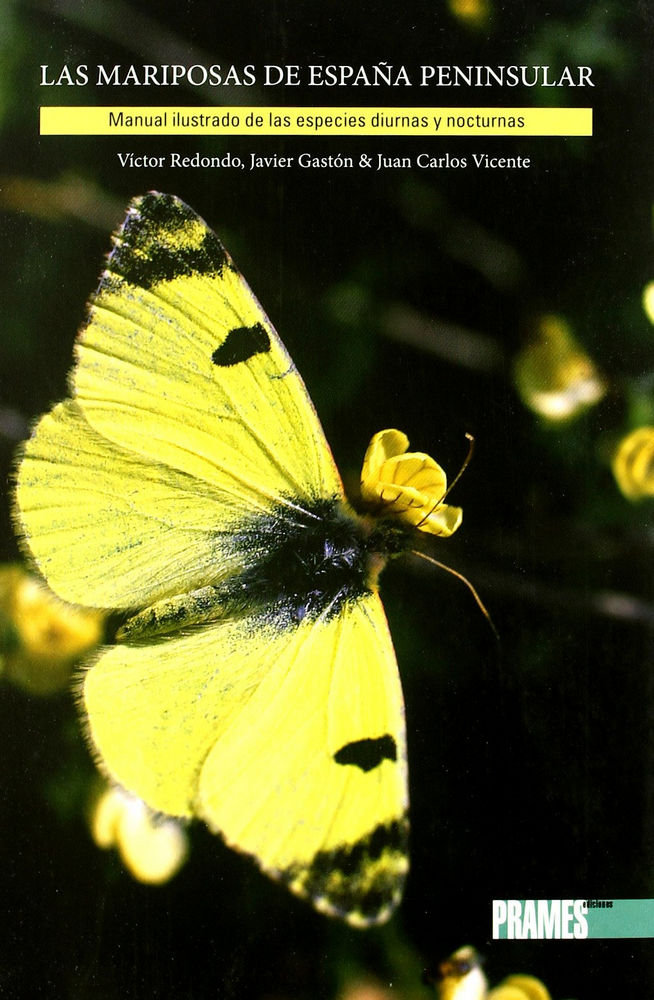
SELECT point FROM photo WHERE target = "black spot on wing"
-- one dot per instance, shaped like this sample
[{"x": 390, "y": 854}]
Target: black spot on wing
[
  {"x": 367, "y": 754},
  {"x": 241, "y": 344},
  {"x": 161, "y": 239}
]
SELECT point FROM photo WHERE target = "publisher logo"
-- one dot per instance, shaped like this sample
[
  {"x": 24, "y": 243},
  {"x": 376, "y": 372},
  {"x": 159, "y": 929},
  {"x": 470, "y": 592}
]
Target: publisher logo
[
  {"x": 540, "y": 919},
  {"x": 543, "y": 919}
]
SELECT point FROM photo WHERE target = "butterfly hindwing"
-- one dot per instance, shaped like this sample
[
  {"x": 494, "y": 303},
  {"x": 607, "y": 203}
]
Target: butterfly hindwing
[{"x": 290, "y": 743}]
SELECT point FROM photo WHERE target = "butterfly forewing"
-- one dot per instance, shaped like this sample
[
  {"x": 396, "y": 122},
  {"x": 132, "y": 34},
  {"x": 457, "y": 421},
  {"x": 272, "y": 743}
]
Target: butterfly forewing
[
  {"x": 177, "y": 345},
  {"x": 181, "y": 379}
]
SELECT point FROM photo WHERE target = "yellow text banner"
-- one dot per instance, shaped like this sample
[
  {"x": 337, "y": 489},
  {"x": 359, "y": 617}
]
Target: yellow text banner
[{"x": 305, "y": 121}]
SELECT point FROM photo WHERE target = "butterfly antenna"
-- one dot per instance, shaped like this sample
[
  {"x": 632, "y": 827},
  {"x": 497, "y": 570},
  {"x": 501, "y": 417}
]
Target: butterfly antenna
[
  {"x": 448, "y": 569},
  {"x": 464, "y": 466}
]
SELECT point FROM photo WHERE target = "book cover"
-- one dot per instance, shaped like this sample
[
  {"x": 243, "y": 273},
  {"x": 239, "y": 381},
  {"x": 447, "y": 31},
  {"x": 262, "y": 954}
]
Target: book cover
[{"x": 446, "y": 213}]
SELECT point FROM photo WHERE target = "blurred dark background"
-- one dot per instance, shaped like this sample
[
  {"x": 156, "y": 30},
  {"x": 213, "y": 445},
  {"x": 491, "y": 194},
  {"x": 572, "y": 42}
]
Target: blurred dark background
[{"x": 403, "y": 297}]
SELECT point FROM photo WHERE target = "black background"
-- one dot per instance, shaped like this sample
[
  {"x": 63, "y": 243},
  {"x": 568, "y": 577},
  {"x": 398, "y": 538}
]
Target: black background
[{"x": 530, "y": 760}]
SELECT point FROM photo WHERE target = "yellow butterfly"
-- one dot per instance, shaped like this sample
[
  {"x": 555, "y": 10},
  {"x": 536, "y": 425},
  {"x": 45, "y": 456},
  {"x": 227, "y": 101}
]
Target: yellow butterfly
[{"x": 187, "y": 483}]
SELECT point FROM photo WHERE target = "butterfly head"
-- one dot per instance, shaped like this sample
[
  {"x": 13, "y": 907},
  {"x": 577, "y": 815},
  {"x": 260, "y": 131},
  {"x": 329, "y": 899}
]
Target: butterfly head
[{"x": 408, "y": 486}]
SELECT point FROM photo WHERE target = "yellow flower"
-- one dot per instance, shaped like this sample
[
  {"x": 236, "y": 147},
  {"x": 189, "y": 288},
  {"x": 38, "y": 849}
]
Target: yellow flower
[
  {"x": 410, "y": 486},
  {"x": 520, "y": 988},
  {"x": 554, "y": 376},
  {"x": 41, "y": 637},
  {"x": 648, "y": 300},
  {"x": 473, "y": 13},
  {"x": 633, "y": 464},
  {"x": 461, "y": 978},
  {"x": 152, "y": 848}
]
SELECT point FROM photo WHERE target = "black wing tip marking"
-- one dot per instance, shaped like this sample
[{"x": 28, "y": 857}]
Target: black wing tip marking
[
  {"x": 241, "y": 344},
  {"x": 362, "y": 882},
  {"x": 368, "y": 753},
  {"x": 162, "y": 239}
]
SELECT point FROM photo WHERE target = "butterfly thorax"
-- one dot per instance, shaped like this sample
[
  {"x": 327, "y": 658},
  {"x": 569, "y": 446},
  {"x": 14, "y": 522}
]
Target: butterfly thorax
[
  {"x": 312, "y": 564},
  {"x": 305, "y": 565}
]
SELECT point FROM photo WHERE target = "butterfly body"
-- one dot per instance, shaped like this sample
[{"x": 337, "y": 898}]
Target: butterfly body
[
  {"x": 186, "y": 484},
  {"x": 305, "y": 568}
]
